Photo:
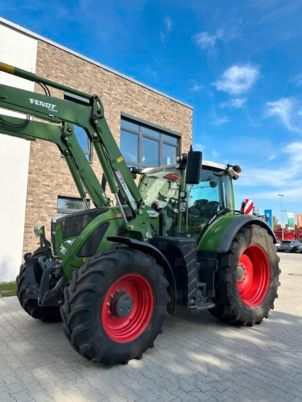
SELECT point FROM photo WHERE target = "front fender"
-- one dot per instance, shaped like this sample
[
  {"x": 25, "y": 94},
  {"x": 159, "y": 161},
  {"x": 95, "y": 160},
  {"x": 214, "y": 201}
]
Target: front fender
[{"x": 219, "y": 236}]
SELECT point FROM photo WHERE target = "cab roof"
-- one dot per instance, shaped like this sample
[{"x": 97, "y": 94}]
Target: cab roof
[{"x": 210, "y": 164}]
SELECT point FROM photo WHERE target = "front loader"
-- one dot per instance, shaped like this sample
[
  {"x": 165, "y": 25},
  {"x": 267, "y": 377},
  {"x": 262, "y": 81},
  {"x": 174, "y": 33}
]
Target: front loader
[{"x": 112, "y": 273}]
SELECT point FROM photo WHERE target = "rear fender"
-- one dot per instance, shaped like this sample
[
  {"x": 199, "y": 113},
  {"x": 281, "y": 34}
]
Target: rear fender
[
  {"x": 160, "y": 258},
  {"x": 219, "y": 235}
]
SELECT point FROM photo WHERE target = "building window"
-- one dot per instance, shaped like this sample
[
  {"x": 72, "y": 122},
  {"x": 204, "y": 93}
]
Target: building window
[
  {"x": 146, "y": 146},
  {"x": 80, "y": 133},
  {"x": 68, "y": 205},
  {"x": 84, "y": 142}
]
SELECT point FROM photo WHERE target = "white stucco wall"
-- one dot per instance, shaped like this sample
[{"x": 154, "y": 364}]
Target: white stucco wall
[{"x": 21, "y": 51}]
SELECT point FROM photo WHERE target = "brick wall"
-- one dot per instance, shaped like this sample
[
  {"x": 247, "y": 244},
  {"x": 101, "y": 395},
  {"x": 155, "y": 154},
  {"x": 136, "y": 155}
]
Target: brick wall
[{"x": 48, "y": 172}]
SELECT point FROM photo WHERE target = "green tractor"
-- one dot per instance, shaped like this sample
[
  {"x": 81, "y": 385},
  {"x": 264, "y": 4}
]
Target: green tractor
[{"x": 113, "y": 273}]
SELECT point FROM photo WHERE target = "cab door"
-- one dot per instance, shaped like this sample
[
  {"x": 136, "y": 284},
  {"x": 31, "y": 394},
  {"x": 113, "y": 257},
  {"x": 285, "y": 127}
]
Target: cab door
[{"x": 205, "y": 200}]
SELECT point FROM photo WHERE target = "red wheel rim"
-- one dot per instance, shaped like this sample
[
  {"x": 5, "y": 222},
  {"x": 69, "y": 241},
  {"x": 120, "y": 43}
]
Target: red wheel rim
[
  {"x": 253, "y": 276},
  {"x": 132, "y": 294}
]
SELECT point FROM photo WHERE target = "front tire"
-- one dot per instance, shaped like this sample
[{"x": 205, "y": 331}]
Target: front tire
[
  {"x": 25, "y": 291},
  {"x": 247, "y": 278},
  {"x": 115, "y": 306}
]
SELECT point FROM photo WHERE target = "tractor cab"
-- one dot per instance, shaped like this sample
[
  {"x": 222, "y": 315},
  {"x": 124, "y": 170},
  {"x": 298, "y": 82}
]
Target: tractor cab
[{"x": 161, "y": 191}]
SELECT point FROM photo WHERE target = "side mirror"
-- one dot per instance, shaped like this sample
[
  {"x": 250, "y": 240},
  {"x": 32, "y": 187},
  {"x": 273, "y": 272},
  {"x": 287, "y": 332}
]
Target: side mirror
[{"x": 194, "y": 164}]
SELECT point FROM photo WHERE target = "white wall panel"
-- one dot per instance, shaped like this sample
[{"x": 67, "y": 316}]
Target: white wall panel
[{"x": 21, "y": 51}]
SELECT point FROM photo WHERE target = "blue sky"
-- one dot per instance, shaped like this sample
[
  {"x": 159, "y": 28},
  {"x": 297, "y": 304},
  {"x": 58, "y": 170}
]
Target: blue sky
[{"x": 238, "y": 64}]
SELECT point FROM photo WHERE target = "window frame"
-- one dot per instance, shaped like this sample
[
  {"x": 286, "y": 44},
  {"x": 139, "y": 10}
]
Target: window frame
[{"x": 161, "y": 139}]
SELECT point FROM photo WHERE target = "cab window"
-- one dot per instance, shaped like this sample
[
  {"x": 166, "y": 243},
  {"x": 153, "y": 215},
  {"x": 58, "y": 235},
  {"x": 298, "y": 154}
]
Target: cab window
[{"x": 204, "y": 200}]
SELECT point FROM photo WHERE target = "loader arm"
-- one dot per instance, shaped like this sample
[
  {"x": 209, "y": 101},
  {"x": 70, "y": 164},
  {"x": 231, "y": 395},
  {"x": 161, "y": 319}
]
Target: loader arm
[
  {"x": 56, "y": 118},
  {"x": 81, "y": 171}
]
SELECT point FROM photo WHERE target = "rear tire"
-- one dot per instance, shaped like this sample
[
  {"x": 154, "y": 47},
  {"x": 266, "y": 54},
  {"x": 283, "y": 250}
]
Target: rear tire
[
  {"x": 247, "y": 278},
  {"x": 115, "y": 306},
  {"x": 28, "y": 303}
]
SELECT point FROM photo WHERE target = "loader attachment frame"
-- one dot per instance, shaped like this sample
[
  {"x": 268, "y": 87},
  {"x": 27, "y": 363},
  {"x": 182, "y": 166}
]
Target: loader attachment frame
[{"x": 56, "y": 120}]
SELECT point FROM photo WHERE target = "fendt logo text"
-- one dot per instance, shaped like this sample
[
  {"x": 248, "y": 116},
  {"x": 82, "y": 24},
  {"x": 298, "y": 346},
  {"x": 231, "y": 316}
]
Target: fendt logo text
[{"x": 49, "y": 106}]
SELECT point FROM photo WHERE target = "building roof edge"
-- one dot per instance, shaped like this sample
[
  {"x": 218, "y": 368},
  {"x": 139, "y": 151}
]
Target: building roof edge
[{"x": 26, "y": 31}]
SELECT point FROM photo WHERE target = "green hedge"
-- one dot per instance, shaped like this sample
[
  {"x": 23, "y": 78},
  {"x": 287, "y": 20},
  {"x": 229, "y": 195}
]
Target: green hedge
[{"x": 7, "y": 289}]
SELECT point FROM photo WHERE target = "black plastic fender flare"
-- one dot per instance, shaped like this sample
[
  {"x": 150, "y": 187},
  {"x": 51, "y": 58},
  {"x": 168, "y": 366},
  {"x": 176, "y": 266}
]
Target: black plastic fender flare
[
  {"x": 228, "y": 236},
  {"x": 160, "y": 258}
]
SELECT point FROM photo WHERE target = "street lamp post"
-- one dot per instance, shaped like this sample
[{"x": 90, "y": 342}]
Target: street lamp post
[{"x": 281, "y": 213}]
